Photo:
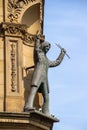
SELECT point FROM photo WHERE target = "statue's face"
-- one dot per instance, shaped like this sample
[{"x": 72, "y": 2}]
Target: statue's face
[{"x": 46, "y": 46}]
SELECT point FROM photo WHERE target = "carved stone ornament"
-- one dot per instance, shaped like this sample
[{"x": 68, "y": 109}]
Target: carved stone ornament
[
  {"x": 15, "y": 7},
  {"x": 28, "y": 39},
  {"x": 12, "y": 28},
  {"x": 13, "y": 67},
  {"x": 18, "y": 30}
]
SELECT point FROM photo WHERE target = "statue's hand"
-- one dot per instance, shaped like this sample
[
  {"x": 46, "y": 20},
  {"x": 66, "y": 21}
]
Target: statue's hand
[
  {"x": 38, "y": 36},
  {"x": 63, "y": 50}
]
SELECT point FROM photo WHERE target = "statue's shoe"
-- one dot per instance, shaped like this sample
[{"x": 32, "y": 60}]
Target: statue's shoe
[{"x": 29, "y": 109}]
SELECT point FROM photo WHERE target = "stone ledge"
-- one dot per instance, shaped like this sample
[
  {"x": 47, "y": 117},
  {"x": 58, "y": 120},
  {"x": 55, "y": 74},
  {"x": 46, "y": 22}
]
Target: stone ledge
[{"x": 28, "y": 120}]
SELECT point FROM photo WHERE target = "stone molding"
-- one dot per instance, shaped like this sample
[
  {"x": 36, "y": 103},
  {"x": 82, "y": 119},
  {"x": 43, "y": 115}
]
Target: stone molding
[
  {"x": 27, "y": 120},
  {"x": 17, "y": 30}
]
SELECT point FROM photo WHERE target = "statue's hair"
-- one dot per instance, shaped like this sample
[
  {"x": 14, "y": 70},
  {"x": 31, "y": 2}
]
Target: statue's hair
[{"x": 45, "y": 43}]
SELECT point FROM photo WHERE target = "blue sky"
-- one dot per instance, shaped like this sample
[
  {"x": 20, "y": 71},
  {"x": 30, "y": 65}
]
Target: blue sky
[{"x": 65, "y": 22}]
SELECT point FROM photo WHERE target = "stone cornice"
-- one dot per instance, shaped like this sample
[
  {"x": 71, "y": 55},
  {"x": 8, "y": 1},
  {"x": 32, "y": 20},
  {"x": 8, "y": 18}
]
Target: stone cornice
[
  {"x": 33, "y": 117},
  {"x": 17, "y": 30}
]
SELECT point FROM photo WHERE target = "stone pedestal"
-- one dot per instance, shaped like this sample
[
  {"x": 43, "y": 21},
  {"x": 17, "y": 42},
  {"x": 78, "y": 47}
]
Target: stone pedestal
[{"x": 33, "y": 120}]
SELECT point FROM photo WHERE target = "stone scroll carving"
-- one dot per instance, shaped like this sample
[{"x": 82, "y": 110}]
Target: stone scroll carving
[
  {"x": 17, "y": 30},
  {"x": 15, "y": 7}
]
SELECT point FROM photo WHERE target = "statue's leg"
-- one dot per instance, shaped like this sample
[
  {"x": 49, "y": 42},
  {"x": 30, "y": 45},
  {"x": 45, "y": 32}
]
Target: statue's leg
[
  {"x": 45, "y": 107},
  {"x": 29, "y": 104}
]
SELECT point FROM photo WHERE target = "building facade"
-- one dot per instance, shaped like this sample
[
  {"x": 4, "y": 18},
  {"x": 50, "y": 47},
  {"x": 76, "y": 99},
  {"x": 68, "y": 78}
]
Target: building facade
[{"x": 19, "y": 22}]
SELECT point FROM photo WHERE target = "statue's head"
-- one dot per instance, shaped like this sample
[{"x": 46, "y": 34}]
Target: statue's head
[{"x": 45, "y": 46}]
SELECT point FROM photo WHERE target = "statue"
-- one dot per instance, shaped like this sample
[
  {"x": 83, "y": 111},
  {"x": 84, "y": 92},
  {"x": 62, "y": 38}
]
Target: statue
[{"x": 40, "y": 77}]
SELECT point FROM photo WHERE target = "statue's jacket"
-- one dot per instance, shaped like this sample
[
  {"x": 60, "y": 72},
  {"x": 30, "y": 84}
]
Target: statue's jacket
[{"x": 42, "y": 63}]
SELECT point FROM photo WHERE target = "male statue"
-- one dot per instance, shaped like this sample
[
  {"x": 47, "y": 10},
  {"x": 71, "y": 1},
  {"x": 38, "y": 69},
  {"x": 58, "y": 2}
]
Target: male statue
[{"x": 40, "y": 77}]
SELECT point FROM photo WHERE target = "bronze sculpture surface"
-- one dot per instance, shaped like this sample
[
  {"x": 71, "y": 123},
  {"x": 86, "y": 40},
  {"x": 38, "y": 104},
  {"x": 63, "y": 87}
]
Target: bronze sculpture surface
[{"x": 40, "y": 76}]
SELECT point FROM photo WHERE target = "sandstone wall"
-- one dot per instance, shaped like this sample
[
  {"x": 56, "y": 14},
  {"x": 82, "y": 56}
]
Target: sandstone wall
[{"x": 19, "y": 22}]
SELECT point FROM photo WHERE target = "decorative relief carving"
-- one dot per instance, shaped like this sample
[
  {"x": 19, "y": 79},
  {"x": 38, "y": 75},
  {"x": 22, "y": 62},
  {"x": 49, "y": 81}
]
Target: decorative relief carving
[
  {"x": 12, "y": 28},
  {"x": 41, "y": 16},
  {"x": 15, "y": 7},
  {"x": 13, "y": 66},
  {"x": 28, "y": 39},
  {"x": 17, "y": 30}
]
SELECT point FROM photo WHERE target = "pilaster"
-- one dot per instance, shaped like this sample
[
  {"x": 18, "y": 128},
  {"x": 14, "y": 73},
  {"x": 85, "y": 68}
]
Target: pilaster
[{"x": 19, "y": 22}]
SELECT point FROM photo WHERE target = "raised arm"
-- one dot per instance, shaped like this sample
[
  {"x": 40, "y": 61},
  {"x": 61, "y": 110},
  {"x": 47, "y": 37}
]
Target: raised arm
[
  {"x": 37, "y": 43},
  {"x": 58, "y": 60}
]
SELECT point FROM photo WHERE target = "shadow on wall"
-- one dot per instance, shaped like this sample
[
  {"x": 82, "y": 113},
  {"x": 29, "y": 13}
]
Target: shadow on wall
[
  {"x": 31, "y": 18},
  {"x": 31, "y": 15}
]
